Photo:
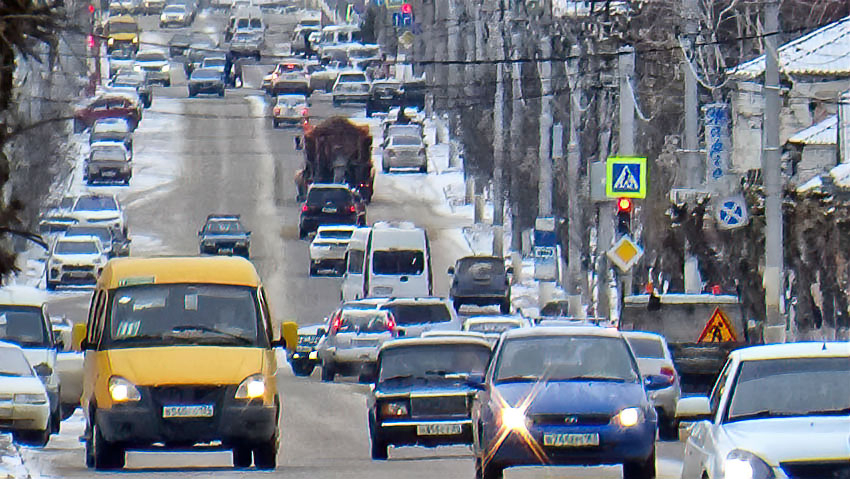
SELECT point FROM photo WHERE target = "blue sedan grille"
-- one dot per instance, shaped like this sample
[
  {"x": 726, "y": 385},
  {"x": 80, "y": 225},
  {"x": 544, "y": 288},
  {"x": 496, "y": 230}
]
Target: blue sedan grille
[
  {"x": 438, "y": 406},
  {"x": 570, "y": 419}
]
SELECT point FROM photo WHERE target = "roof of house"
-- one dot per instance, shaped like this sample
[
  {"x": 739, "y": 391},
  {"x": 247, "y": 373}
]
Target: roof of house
[
  {"x": 823, "y": 52},
  {"x": 823, "y": 133}
]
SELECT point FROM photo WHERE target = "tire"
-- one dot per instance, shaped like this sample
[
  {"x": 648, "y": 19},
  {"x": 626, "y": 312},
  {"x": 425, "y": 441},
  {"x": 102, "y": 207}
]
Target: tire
[
  {"x": 241, "y": 457},
  {"x": 55, "y": 420},
  {"x": 380, "y": 449},
  {"x": 386, "y": 168},
  {"x": 335, "y": 104},
  {"x": 51, "y": 286},
  {"x": 489, "y": 471},
  {"x": 105, "y": 455},
  {"x": 37, "y": 438},
  {"x": 302, "y": 234},
  {"x": 458, "y": 303},
  {"x": 276, "y": 123},
  {"x": 328, "y": 372},
  {"x": 668, "y": 428},
  {"x": 221, "y": 93},
  {"x": 505, "y": 306},
  {"x": 167, "y": 82},
  {"x": 66, "y": 411},
  {"x": 302, "y": 368},
  {"x": 640, "y": 470},
  {"x": 192, "y": 94},
  {"x": 265, "y": 455},
  {"x": 423, "y": 168}
]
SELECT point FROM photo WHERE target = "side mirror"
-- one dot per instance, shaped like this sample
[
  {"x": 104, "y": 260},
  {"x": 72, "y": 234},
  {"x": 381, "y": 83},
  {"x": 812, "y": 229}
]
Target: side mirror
[
  {"x": 451, "y": 270},
  {"x": 289, "y": 334},
  {"x": 322, "y": 332},
  {"x": 200, "y": 233},
  {"x": 694, "y": 408},
  {"x": 42, "y": 369},
  {"x": 657, "y": 381},
  {"x": 78, "y": 336},
  {"x": 510, "y": 270},
  {"x": 58, "y": 342}
]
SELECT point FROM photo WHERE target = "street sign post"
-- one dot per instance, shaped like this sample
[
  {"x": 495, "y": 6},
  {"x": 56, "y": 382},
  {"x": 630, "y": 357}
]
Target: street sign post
[
  {"x": 732, "y": 213},
  {"x": 625, "y": 177},
  {"x": 625, "y": 253}
]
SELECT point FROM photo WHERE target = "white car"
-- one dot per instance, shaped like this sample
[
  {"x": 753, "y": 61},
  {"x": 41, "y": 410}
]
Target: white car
[
  {"x": 24, "y": 407},
  {"x": 351, "y": 345},
  {"x": 351, "y": 86},
  {"x": 656, "y": 365},
  {"x": 777, "y": 411},
  {"x": 95, "y": 209},
  {"x": 404, "y": 151},
  {"x": 69, "y": 366},
  {"x": 155, "y": 64},
  {"x": 492, "y": 327},
  {"x": 327, "y": 250},
  {"x": 75, "y": 260}
]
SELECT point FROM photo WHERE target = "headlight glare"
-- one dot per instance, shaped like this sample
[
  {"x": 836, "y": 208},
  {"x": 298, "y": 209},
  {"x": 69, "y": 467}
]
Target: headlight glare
[
  {"x": 745, "y": 465},
  {"x": 252, "y": 387},
  {"x": 122, "y": 390},
  {"x": 513, "y": 418},
  {"x": 394, "y": 409},
  {"x": 629, "y": 417}
]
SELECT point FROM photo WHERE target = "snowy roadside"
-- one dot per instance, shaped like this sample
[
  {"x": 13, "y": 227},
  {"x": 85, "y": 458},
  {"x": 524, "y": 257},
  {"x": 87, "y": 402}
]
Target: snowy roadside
[{"x": 11, "y": 464}]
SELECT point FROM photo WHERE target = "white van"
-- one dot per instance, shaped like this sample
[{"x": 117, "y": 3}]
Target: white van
[
  {"x": 397, "y": 262},
  {"x": 355, "y": 254}
]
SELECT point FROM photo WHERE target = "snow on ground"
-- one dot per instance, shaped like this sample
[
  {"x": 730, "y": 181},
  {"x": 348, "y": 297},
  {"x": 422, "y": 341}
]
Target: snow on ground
[{"x": 11, "y": 464}]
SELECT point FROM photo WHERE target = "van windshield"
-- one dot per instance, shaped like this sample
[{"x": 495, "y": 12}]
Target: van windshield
[
  {"x": 24, "y": 326},
  {"x": 408, "y": 262},
  {"x": 195, "y": 314}
]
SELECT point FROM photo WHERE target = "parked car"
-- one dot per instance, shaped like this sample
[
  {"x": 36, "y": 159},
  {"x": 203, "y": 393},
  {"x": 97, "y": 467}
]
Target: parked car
[
  {"x": 414, "y": 316},
  {"x": 350, "y": 347},
  {"x": 351, "y": 86},
  {"x": 383, "y": 95},
  {"x": 138, "y": 81},
  {"x": 290, "y": 110},
  {"x": 656, "y": 363},
  {"x": 175, "y": 15},
  {"x": 74, "y": 260},
  {"x": 492, "y": 327},
  {"x": 404, "y": 151},
  {"x": 27, "y": 411},
  {"x": 327, "y": 250},
  {"x": 563, "y": 396},
  {"x": 107, "y": 105},
  {"x": 224, "y": 234},
  {"x": 112, "y": 130},
  {"x": 108, "y": 166},
  {"x": 326, "y": 204},
  {"x": 100, "y": 210},
  {"x": 304, "y": 358},
  {"x": 423, "y": 391},
  {"x": 481, "y": 280},
  {"x": 155, "y": 64},
  {"x": 777, "y": 411},
  {"x": 206, "y": 80}
]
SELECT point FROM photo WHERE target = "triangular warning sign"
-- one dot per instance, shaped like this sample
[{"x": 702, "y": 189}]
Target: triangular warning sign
[
  {"x": 718, "y": 329},
  {"x": 626, "y": 181}
]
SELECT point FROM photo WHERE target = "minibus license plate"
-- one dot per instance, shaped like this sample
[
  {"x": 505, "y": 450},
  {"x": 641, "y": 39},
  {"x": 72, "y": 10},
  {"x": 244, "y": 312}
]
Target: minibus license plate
[
  {"x": 204, "y": 410},
  {"x": 438, "y": 429},
  {"x": 570, "y": 440},
  {"x": 329, "y": 209}
]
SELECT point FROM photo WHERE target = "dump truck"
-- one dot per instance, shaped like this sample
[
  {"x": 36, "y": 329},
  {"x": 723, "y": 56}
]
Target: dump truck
[
  {"x": 337, "y": 151},
  {"x": 701, "y": 330}
]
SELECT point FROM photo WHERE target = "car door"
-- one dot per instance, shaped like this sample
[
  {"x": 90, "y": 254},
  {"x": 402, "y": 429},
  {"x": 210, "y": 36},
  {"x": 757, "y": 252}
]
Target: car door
[{"x": 701, "y": 446}]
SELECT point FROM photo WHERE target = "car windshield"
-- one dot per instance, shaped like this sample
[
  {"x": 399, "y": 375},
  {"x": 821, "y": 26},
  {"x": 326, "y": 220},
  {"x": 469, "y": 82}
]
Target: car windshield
[
  {"x": 243, "y": 36},
  {"x": 242, "y": 23},
  {"x": 105, "y": 234},
  {"x": 352, "y": 78},
  {"x": 322, "y": 196},
  {"x": 290, "y": 101},
  {"x": 153, "y": 315},
  {"x": 13, "y": 363},
  {"x": 646, "y": 348},
  {"x": 491, "y": 327},
  {"x": 398, "y": 262},
  {"x": 174, "y": 9},
  {"x": 481, "y": 268},
  {"x": 215, "y": 62},
  {"x": 107, "y": 155},
  {"x": 364, "y": 321},
  {"x": 223, "y": 227},
  {"x": 76, "y": 247},
  {"x": 791, "y": 387},
  {"x": 565, "y": 358},
  {"x": 335, "y": 234},
  {"x": 406, "y": 141},
  {"x": 24, "y": 326},
  {"x": 407, "y": 314},
  {"x": 110, "y": 126},
  {"x": 256, "y": 23},
  {"x": 123, "y": 27},
  {"x": 205, "y": 74},
  {"x": 121, "y": 54},
  {"x": 95, "y": 203},
  {"x": 434, "y": 362},
  {"x": 151, "y": 57}
]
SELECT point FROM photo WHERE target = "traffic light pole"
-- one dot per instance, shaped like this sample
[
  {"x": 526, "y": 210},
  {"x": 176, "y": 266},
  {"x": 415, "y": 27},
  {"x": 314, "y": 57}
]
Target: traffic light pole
[{"x": 626, "y": 64}]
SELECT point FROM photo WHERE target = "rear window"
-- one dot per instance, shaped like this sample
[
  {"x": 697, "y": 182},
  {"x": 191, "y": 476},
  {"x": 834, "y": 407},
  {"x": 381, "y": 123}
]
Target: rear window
[
  {"x": 335, "y": 234},
  {"x": 242, "y": 23},
  {"x": 398, "y": 262},
  {"x": 406, "y": 141},
  {"x": 256, "y": 23},
  {"x": 406, "y": 314},
  {"x": 321, "y": 196},
  {"x": 352, "y": 77},
  {"x": 646, "y": 348},
  {"x": 364, "y": 321}
]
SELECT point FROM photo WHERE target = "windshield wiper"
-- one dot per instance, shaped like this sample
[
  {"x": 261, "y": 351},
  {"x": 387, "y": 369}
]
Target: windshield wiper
[
  {"x": 447, "y": 374},
  {"x": 397, "y": 378},
  {"x": 179, "y": 329},
  {"x": 764, "y": 413},
  {"x": 828, "y": 412},
  {"x": 593, "y": 378},
  {"x": 519, "y": 379}
]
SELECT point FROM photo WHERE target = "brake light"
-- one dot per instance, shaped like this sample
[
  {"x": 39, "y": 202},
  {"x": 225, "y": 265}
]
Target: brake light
[
  {"x": 352, "y": 208},
  {"x": 305, "y": 112},
  {"x": 305, "y": 208},
  {"x": 277, "y": 110},
  {"x": 391, "y": 324},
  {"x": 337, "y": 322}
]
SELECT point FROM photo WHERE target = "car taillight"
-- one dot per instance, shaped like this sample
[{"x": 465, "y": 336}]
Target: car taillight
[
  {"x": 337, "y": 322},
  {"x": 305, "y": 208},
  {"x": 391, "y": 324},
  {"x": 305, "y": 112},
  {"x": 352, "y": 208},
  {"x": 669, "y": 373},
  {"x": 277, "y": 110}
]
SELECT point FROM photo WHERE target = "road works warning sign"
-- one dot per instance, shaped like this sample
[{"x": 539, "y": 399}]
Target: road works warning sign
[
  {"x": 718, "y": 329},
  {"x": 625, "y": 177}
]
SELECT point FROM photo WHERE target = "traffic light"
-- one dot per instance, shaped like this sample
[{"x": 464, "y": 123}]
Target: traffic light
[
  {"x": 406, "y": 8},
  {"x": 624, "y": 216}
]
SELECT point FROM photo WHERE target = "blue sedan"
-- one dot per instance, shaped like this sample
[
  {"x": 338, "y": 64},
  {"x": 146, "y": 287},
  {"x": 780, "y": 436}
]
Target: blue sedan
[{"x": 563, "y": 396}]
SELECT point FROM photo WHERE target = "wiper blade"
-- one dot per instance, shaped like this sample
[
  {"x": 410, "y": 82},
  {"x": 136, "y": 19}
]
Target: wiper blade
[
  {"x": 179, "y": 329},
  {"x": 447, "y": 374},
  {"x": 592, "y": 378},
  {"x": 518, "y": 379},
  {"x": 764, "y": 413},
  {"x": 828, "y": 412}
]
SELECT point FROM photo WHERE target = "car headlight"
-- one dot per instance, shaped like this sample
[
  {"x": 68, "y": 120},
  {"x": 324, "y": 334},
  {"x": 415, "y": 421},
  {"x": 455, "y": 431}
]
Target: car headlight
[
  {"x": 251, "y": 388},
  {"x": 514, "y": 419},
  {"x": 122, "y": 390},
  {"x": 135, "y": 39},
  {"x": 110, "y": 42},
  {"x": 166, "y": 67},
  {"x": 36, "y": 398},
  {"x": 394, "y": 409},
  {"x": 629, "y": 417},
  {"x": 745, "y": 465}
]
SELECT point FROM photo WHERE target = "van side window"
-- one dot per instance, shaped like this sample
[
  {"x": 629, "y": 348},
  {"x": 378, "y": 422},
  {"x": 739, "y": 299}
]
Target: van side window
[
  {"x": 94, "y": 332},
  {"x": 266, "y": 314},
  {"x": 355, "y": 261}
]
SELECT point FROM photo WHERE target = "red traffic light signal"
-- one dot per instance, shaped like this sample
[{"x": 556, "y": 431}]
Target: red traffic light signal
[
  {"x": 91, "y": 8},
  {"x": 90, "y": 40},
  {"x": 406, "y": 8},
  {"x": 624, "y": 205}
]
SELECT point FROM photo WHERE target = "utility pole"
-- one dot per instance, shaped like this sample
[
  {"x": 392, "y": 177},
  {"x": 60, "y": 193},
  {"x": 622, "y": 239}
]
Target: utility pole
[
  {"x": 499, "y": 143},
  {"x": 626, "y": 67},
  {"x": 545, "y": 150},
  {"x": 574, "y": 229},
  {"x": 691, "y": 163},
  {"x": 774, "y": 331},
  {"x": 518, "y": 34}
]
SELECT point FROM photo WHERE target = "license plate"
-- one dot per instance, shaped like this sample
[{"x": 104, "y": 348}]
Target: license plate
[
  {"x": 303, "y": 349},
  {"x": 328, "y": 209},
  {"x": 438, "y": 429},
  {"x": 204, "y": 410},
  {"x": 78, "y": 274},
  {"x": 225, "y": 250},
  {"x": 570, "y": 440},
  {"x": 108, "y": 173}
]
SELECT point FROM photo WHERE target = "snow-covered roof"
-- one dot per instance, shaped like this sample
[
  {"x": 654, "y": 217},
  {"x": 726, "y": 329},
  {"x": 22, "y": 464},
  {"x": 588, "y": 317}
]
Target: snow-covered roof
[
  {"x": 811, "y": 185},
  {"x": 823, "y": 133},
  {"x": 841, "y": 175},
  {"x": 825, "y": 51}
]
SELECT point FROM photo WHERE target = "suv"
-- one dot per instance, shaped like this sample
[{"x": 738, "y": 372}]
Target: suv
[
  {"x": 351, "y": 345},
  {"x": 350, "y": 86},
  {"x": 108, "y": 165},
  {"x": 326, "y": 204},
  {"x": 224, "y": 234},
  {"x": 74, "y": 260},
  {"x": 113, "y": 245},
  {"x": 156, "y": 65},
  {"x": 416, "y": 315},
  {"x": 481, "y": 280},
  {"x": 94, "y": 209},
  {"x": 289, "y": 77}
]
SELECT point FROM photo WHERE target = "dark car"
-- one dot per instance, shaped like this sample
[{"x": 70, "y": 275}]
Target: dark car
[
  {"x": 414, "y": 93},
  {"x": 224, "y": 234},
  {"x": 136, "y": 80},
  {"x": 108, "y": 166},
  {"x": 424, "y": 392},
  {"x": 206, "y": 80},
  {"x": 482, "y": 281},
  {"x": 557, "y": 396},
  {"x": 327, "y": 204},
  {"x": 383, "y": 95},
  {"x": 304, "y": 359},
  {"x": 179, "y": 44}
]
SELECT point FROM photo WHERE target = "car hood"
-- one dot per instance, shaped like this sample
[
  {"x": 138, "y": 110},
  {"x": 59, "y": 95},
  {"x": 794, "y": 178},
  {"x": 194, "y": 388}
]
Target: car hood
[
  {"x": 24, "y": 385},
  {"x": 775, "y": 440},
  {"x": 185, "y": 364},
  {"x": 157, "y": 64},
  {"x": 402, "y": 388},
  {"x": 575, "y": 397}
]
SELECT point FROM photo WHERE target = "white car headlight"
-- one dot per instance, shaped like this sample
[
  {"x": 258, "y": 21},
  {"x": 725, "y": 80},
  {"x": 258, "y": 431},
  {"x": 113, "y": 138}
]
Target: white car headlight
[
  {"x": 394, "y": 409},
  {"x": 137, "y": 68},
  {"x": 166, "y": 67},
  {"x": 514, "y": 419},
  {"x": 36, "y": 398},
  {"x": 122, "y": 390},
  {"x": 746, "y": 465},
  {"x": 629, "y": 417},
  {"x": 251, "y": 388},
  {"x": 110, "y": 42}
]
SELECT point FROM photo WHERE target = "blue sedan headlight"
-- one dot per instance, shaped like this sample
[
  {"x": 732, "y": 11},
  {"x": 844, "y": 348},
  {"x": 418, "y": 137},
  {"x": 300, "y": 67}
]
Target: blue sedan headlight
[{"x": 746, "y": 465}]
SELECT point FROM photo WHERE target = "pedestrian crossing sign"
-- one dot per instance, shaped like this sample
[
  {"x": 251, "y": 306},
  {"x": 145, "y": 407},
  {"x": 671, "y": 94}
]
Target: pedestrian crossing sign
[
  {"x": 718, "y": 329},
  {"x": 625, "y": 177}
]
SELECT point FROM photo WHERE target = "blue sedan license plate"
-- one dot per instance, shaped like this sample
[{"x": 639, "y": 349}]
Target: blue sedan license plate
[{"x": 570, "y": 440}]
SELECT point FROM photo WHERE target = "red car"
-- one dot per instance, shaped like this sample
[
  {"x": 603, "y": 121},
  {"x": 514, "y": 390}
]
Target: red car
[{"x": 107, "y": 106}]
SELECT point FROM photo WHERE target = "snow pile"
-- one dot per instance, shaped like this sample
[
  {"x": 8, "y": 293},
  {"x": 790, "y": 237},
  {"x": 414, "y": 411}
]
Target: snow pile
[
  {"x": 11, "y": 465},
  {"x": 841, "y": 175}
]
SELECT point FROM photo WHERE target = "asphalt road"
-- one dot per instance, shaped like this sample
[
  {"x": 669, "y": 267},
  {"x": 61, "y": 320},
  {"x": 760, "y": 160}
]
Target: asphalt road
[{"x": 212, "y": 155}]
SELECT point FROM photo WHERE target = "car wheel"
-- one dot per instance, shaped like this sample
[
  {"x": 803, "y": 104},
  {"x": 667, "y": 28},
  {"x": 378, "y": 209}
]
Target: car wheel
[
  {"x": 458, "y": 303},
  {"x": 313, "y": 270},
  {"x": 302, "y": 368},
  {"x": 335, "y": 104},
  {"x": 51, "y": 286},
  {"x": 328, "y": 372},
  {"x": 167, "y": 82},
  {"x": 241, "y": 457},
  {"x": 488, "y": 471},
  {"x": 67, "y": 410},
  {"x": 192, "y": 94},
  {"x": 505, "y": 306},
  {"x": 106, "y": 455},
  {"x": 276, "y": 123},
  {"x": 302, "y": 233},
  {"x": 221, "y": 93},
  {"x": 385, "y": 167},
  {"x": 380, "y": 449},
  {"x": 55, "y": 421},
  {"x": 641, "y": 469},
  {"x": 265, "y": 454},
  {"x": 423, "y": 168},
  {"x": 668, "y": 428},
  {"x": 36, "y": 438}
]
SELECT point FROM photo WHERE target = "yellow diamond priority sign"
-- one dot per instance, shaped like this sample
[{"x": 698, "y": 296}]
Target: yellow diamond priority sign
[{"x": 625, "y": 253}]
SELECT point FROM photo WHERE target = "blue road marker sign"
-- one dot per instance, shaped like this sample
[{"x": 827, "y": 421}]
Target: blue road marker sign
[{"x": 625, "y": 178}]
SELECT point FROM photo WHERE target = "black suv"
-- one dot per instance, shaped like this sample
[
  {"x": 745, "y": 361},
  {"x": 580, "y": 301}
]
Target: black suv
[
  {"x": 481, "y": 280},
  {"x": 327, "y": 204},
  {"x": 224, "y": 234},
  {"x": 383, "y": 95}
]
